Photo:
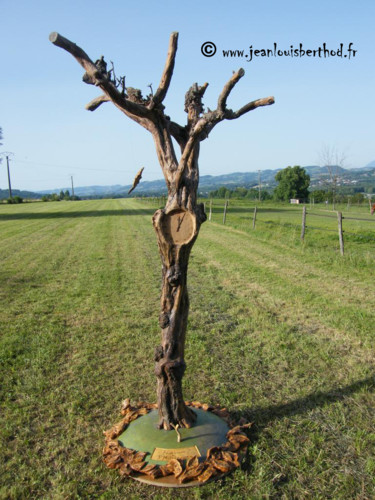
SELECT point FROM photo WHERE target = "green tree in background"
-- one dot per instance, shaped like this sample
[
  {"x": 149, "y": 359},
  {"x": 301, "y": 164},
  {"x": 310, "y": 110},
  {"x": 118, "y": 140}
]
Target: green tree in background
[{"x": 293, "y": 182}]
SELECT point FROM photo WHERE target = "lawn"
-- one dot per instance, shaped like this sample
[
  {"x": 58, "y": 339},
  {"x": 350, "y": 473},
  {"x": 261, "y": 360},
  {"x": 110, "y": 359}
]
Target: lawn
[{"x": 280, "y": 332}]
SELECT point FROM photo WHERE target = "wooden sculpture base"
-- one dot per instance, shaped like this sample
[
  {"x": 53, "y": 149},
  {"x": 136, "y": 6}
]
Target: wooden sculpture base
[
  {"x": 162, "y": 446},
  {"x": 182, "y": 457}
]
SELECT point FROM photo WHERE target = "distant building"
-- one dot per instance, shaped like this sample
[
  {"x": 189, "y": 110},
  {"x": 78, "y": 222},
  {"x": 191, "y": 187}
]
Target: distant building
[{"x": 295, "y": 201}]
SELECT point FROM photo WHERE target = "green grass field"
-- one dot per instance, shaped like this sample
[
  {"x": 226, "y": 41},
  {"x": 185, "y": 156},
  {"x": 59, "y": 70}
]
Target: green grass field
[{"x": 280, "y": 332}]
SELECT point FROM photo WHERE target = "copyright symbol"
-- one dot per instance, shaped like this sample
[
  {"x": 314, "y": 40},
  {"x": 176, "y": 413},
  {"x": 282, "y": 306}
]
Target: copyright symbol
[{"x": 208, "y": 49}]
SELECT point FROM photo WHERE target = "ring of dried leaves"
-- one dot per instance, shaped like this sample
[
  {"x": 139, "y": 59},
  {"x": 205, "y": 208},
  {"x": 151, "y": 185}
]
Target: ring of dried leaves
[{"x": 220, "y": 459}]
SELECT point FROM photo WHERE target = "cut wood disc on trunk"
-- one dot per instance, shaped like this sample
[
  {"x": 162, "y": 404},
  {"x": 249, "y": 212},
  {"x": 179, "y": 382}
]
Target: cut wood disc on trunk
[{"x": 178, "y": 227}]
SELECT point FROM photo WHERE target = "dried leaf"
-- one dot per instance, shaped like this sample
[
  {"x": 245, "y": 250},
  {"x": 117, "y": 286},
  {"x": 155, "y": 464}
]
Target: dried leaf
[
  {"x": 166, "y": 470},
  {"x": 111, "y": 447},
  {"x": 151, "y": 406},
  {"x": 192, "y": 463},
  {"x": 125, "y": 404},
  {"x": 117, "y": 429},
  {"x": 222, "y": 413},
  {"x": 127, "y": 454},
  {"x": 230, "y": 457},
  {"x": 197, "y": 404},
  {"x": 239, "y": 429},
  {"x": 125, "y": 470},
  {"x": 231, "y": 446},
  {"x": 214, "y": 452},
  {"x": 222, "y": 466},
  {"x": 152, "y": 471},
  {"x": 239, "y": 438},
  {"x": 113, "y": 461},
  {"x": 130, "y": 416},
  {"x": 177, "y": 466},
  {"x": 191, "y": 474},
  {"x": 138, "y": 457},
  {"x": 137, "y": 466},
  {"x": 207, "y": 474}
]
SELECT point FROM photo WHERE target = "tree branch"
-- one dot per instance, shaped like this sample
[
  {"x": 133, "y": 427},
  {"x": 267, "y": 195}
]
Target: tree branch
[
  {"x": 266, "y": 101},
  {"x": 188, "y": 149},
  {"x": 167, "y": 72},
  {"x": 95, "y": 103},
  {"x": 178, "y": 133},
  {"x": 95, "y": 77},
  {"x": 222, "y": 101}
]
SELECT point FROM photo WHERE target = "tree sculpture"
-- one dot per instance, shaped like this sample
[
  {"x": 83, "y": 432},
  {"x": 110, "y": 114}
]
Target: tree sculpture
[{"x": 177, "y": 224}]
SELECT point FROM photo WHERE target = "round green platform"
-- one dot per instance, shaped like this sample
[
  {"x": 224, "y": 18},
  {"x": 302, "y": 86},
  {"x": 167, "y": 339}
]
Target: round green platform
[{"x": 143, "y": 435}]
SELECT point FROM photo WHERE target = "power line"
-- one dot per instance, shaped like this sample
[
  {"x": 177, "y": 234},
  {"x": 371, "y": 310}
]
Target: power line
[{"x": 70, "y": 167}]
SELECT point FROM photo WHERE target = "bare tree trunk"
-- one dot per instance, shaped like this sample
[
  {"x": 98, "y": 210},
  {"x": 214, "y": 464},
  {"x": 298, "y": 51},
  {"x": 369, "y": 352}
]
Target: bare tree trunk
[{"x": 177, "y": 227}]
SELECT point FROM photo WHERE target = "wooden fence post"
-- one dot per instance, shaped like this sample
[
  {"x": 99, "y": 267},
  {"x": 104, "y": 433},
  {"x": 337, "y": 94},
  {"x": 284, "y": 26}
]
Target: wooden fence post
[
  {"x": 254, "y": 217},
  {"x": 303, "y": 223},
  {"x": 210, "y": 215},
  {"x": 225, "y": 211},
  {"x": 341, "y": 237}
]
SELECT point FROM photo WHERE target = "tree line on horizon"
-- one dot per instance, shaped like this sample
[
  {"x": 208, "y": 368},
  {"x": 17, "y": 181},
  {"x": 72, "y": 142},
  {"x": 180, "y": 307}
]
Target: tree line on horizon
[
  {"x": 63, "y": 195},
  {"x": 293, "y": 183}
]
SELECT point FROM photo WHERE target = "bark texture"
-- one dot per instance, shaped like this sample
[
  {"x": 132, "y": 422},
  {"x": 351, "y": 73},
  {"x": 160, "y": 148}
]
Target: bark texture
[{"x": 177, "y": 224}]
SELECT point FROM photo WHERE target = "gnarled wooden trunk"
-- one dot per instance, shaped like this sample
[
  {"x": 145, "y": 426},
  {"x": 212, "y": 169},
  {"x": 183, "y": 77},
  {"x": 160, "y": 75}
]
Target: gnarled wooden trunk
[{"x": 177, "y": 227}]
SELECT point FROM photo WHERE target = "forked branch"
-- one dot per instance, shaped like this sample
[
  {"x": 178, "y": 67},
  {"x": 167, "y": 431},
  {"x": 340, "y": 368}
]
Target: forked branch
[
  {"x": 95, "y": 77},
  {"x": 222, "y": 101},
  {"x": 200, "y": 127}
]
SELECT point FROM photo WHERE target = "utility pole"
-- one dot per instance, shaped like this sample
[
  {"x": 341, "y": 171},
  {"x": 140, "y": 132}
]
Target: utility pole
[
  {"x": 9, "y": 184},
  {"x": 7, "y": 154},
  {"x": 260, "y": 185},
  {"x": 71, "y": 177}
]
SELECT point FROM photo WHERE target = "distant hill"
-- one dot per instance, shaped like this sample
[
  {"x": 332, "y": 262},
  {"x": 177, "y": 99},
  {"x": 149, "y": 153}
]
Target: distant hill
[
  {"x": 364, "y": 176},
  {"x": 207, "y": 183},
  {"x": 4, "y": 194},
  {"x": 367, "y": 167}
]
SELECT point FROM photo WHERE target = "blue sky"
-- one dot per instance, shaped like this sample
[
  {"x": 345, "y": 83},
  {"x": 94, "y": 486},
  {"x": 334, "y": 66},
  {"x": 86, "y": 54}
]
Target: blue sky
[{"x": 318, "y": 100}]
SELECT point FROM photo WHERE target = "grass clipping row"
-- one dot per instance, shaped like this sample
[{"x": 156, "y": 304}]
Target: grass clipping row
[{"x": 220, "y": 460}]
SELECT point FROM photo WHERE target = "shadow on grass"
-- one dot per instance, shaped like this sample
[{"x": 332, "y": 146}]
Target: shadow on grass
[
  {"x": 261, "y": 417},
  {"x": 70, "y": 215}
]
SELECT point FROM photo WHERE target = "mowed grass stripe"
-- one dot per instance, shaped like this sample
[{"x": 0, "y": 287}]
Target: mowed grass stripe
[
  {"x": 265, "y": 264},
  {"x": 27, "y": 219}
]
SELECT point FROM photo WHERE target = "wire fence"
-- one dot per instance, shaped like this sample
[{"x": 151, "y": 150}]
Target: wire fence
[
  {"x": 308, "y": 219},
  {"x": 304, "y": 218}
]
